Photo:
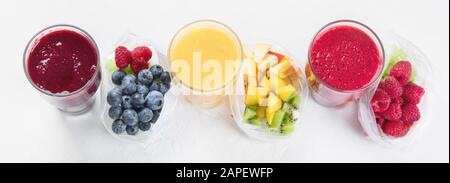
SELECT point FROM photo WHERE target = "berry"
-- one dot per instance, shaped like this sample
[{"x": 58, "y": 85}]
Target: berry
[
  {"x": 117, "y": 77},
  {"x": 115, "y": 112},
  {"x": 141, "y": 54},
  {"x": 154, "y": 86},
  {"x": 130, "y": 117},
  {"x": 155, "y": 100},
  {"x": 155, "y": 116},
  {"x": 395, "y": 128},
  {"x": 402, "y": 72},
  {"x": 380, "y": 101},
  {"x": 164, "y": 88},
  {"x": 118, "y": 126},
  {"x": 123, "y": 57},
  {"x": 137, "y": 100},
  {"x": 398, "y": 100},
  {"x": 145, "y": 115},
  {"x": 129, "y": 84},
  {"x": 144, "y": 126},
  {"x": 114, "y": 97},
  {"x": 156, "y": 70},
  {"x": 142, "y": 89},
  {"x": 380, "y": 119},
  {"x": 165, "y": 77},
  {"x": 410, "y": 114},
  {"x": 392, "y": 87},
  {"x": 137, "y": 66},
  {"x": 132, "y": 130},
  {"x": 145, "y": 77},
  {"x": 394, "y": 112},
  {"x": 413, "y": 93},
  {"x": 126, "y": 102}
]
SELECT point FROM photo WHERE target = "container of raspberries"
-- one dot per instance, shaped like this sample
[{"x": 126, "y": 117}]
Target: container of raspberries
[
  {"x": 271, "y": 93},
  {"x": 137, "y": 93},
  {"x": 394, "y": 112}
]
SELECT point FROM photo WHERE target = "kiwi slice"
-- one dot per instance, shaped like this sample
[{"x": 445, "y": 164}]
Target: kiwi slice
[
  {"x": 277, "y": 119},
  {"x": 249, "y": 113}
]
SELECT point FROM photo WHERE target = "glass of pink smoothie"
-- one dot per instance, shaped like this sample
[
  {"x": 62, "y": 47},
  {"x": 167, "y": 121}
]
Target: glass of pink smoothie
[
  {"x": 345, "y": 58},
  {"x": 62, "y": 63}
]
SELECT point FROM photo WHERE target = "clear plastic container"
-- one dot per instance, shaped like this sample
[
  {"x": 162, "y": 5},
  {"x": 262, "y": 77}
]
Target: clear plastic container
[
  {"x": 237, "y": 101},
  {"x": 424, "y": 78},
  {"x": 170, "y": 98}
]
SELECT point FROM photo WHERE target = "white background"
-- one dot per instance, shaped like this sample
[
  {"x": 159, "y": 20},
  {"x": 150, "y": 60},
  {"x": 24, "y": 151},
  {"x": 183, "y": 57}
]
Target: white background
[{"x": 34, "y": 131}]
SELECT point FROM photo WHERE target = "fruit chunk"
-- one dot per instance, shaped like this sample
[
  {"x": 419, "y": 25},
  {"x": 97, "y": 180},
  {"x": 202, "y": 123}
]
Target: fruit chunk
[
  {"x": 294, "y": 100},
  {"x": 261, "y": 112},
  {"x": 261, "y": 95},
  {"x": 275, "y": 83},
  {"x": 260, "y": 51},
  {"x": 249, "y": 113},
  {"x": 285, "y": 92},
  {"x": 410, "y": 114},
  {"x": 284, "y": 69},
  {"x": 394, "y": 112},
  {"x": 274, "y": 103},
  {"x": 278, "y": 55},
  {"x": 277, "y": 119},
  {"x": 250, "y": 71},
  {"x": 123, "y": 57},
  {"x": 264, "y": 82},
  {"x": 251, "y": 97}
]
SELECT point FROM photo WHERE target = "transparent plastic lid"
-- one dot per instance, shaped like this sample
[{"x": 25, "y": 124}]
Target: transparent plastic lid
[
  {"x": 144, "y": 138},
  {"x": 394, "y": 44},
  {"x": 238, "y": 106}
]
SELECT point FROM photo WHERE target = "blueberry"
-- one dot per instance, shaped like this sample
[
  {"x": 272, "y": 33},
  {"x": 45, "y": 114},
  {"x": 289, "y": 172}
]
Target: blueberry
[
  {"x": 156, "y": 71},
  {"x": 126, "y": 102},
  {"x": 130, "y": 117},
  {"x": 118, "y": 126},
  {"x": 165, "y": 77},
  {"x": 130, "y": 78},
  {"x": 164, "y": 88},
  {"x": 117, "y": 77},
  {"x": 115, "y": 112},
  {"x": 114, "y": 97},
  {"x": 155, "y": 100},
  {"x": 137, "y": 100},
  {"x": 145, "y": 115},
  {"x": 129, "y": 88},
  {"x": 144, "y": 126},
  {"x": 154, "y": 86},
  {"x": 142, "y": 89},
  {"x": 132, "y": 130},
  {"x": 145, "y": 77},
  {"x": 155, "y": 116},
  {"x": 129, "y": 84}
]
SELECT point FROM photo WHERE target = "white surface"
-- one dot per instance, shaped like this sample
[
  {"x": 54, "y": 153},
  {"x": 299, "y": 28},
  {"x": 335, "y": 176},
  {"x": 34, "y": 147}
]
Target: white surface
[{"x": 34, "y": 131}]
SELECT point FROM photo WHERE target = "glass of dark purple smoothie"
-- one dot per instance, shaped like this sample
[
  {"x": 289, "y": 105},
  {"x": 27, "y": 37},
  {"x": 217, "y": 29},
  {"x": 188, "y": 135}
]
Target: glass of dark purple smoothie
[{"x": 62, "y": 62}]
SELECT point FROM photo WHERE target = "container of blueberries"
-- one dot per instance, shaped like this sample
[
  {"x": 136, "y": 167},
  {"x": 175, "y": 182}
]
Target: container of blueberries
[{"x": 137, "y": 91}]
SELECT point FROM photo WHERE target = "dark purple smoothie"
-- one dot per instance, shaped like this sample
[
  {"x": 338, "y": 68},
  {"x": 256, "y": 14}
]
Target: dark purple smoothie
[{"x": 63, "y": 63}]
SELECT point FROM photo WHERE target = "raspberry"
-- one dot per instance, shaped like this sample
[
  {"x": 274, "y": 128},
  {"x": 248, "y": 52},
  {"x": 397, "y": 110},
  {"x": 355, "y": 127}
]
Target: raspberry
[
  {"x": 122, "y": 57},
  {"x": 402, "y": 72},
  {"x": 141, "y": 54},
  {"x": 413, "y": 93},
  {"x": 395, "y": 128},
  {"x": 398, "y": 100},
  {"x": 137, "y": 66},
  {"x": 392, "y": 87},
  {"x": 394, "y": 112},
  {"x": 380, "y": 120},
  {"x": 380, "y": 101},
  {"x": 410, "y": 114}
]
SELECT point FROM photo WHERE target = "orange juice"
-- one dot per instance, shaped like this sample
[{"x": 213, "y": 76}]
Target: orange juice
[{"x": 205, "y": 56}]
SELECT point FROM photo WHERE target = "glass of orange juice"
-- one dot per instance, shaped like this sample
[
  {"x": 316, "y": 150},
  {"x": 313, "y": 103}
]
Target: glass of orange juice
[{"x": 205, "y": 57}]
